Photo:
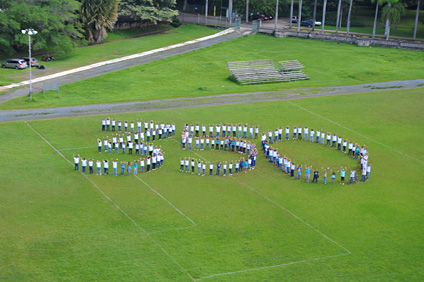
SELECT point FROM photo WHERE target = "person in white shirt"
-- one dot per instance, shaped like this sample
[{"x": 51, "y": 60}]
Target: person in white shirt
[
  {"x": 106, "y": 167},
  {"x": 115, "y": 167},
  {"x": 203, "y": 168},
  {"x": 113, "y": 125},
  {"x": 287, "y": 132},
  {"x": 311, "y": 136},
  {"x": 99, "y": 167},
  {"x": 76, "y": 161},
  {"x": 103, "y": 124},
  {"x": 108, "y": 124},
  {"x": 90, "y": 165},
  {"x": 306, "y": 132}
]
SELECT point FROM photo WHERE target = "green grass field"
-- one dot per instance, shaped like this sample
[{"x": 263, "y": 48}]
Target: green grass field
[
  {"x": 206, "y": 72},
  {"x": 58, "y": 225},
  {"x": 117, "y": 44}
]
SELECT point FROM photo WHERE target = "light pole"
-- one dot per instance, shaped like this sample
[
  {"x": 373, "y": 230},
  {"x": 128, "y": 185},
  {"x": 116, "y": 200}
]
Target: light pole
[{"x": 30, "y": 32}]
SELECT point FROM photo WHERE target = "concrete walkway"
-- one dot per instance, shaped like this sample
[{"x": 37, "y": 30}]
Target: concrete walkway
[
  {"x": 226, "y": 99},
  {"x": 122, "y": 63}
]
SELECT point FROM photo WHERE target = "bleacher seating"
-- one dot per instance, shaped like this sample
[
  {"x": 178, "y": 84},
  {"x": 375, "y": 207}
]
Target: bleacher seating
[{"x": 264, "y": 71}]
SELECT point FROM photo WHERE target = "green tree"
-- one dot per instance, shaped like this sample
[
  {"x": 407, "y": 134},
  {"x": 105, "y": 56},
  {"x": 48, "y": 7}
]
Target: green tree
[
  {"x": 392, "y": 13},
  {"x": 97, "y": 16},
  {"x": 56, "y": 22},
  {"x": 152, "y": 11}
]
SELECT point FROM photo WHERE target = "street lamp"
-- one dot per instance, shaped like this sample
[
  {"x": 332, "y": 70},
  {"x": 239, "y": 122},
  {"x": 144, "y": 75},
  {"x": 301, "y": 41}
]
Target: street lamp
[{"x": 30, "y": 32}]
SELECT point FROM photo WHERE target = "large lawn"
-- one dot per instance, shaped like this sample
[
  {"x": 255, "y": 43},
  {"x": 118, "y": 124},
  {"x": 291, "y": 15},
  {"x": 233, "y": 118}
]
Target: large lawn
[
  {"x": 58, "y": 225},
  {"x": 204, "y": 72},
  {"x": 116, "y": 45}
]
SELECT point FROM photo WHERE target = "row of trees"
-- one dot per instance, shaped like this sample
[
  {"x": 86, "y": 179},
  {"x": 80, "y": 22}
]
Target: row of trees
[
  {"x": 392, "y": 12},
  {"x": 64, "y": 24}
]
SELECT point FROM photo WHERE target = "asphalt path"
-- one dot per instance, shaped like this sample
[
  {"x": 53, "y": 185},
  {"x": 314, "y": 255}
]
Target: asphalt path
[
  {"x": 92, "y": 72},
  {"x": 215, "y": 100}
]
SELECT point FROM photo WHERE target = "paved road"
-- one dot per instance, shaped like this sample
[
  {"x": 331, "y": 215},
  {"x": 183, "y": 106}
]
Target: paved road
[
  {"x": 226, "y": 99},
  {"x": 38, "y": 87}
]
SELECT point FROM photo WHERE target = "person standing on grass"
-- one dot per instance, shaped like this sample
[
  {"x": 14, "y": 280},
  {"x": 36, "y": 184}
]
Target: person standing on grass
[
  {"x": 334, "y": 140},
  {"x": 76, "y": 161},
  {"x": 364, "y": 174},
  {"x": 122, "y": 168},
  {"x": 368, "y": 171},
  {"x": 119, "y": 126},
  {"x": 83, "y": 164},
  {"x": 126, "y": 126},
  {"x": 339, "y": 143},
  {"x": 115, "y": 167},
  {"x": 333, "y": 177},
  {"x": 342, "y": 175},
  {"x": 210, "y": 169},
  {"x": 328, "y": 139},
  {"x": 106, "y": 167},
  {"x": 225, "y": 168},
  {"x": 322, "y": 137},
  {"x": 318, "y": 136},
  {"x": 142, "y": 165},
  {"x": 148, "y": 163},
  {"x": 135, "y": 167},
  {"x": 344, "y": 145},
  {"x": 199, "y": 166},
  {"x": 299, "y": 133},
  {"x": 308, "y": 173},
  {"x": 186, "y": 164},
  {"x": 218, "y": 168},
  {"x": 108, "y": 124},
  {"x": 299, "y": 171},
  {"x": 311, "y": 136},
  {"x": 128, "y": 168},
  {"x": 90, "y": 165},
  {"x": 324, "y": 175},
  {"x": 182, "y": 165},
  {"x": 352, "y": 176},
  {"x": 99, "y": 145},
  {"x": 105, "y": 143},
  {"x": 203, "y": 168},
  {"x": 316, "y": 176},
  {"x": 103, "y": 124},
  {"x": 192, "y": 165},
  {"x": 99, "y": 167}
]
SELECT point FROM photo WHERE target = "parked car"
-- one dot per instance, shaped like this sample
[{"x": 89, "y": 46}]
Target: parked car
[
  {"x": 259, "y": 17},
  {"x": 34, "y": 62},
  {"x": 294, "y": 19},
  {"x": 270, "y": 17},
  {"x": 310, "y": 23},
  {"x": 15, "y": 64},
  {"x": 47, "y": 58}
]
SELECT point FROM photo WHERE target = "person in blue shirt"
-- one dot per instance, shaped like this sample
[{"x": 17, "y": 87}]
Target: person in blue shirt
[
  {"x": 122, "y": 168},
  {"x": 218, "y": 168},
  {"x": 308, "y": 173},
  {"x": 342, "y": 175},
  {"x": 316, "y": 176},
  {"x": 128, "y": 168},
  {"x": 299, "y": 170}
]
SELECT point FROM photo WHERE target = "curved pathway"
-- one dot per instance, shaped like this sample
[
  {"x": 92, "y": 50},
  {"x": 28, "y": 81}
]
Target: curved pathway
[{"x": 188, "y": 102}]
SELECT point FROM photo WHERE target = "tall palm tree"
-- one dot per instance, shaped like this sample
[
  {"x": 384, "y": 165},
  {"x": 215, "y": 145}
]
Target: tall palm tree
[
  {"x": 377, "y": 3},
  {"x": 348, "y": 17},
  {"x": 314, "y": 15},
  {"x": 416, "y": 19},
  {"x": 299, "y": 18},
  {"x": 339, "y": 6},
  {"x": 324, "y": 8},
  {"x": 291, "y": 12},
  {"x": 97, "y": 15},
  {"x": 392, "y": 13}
]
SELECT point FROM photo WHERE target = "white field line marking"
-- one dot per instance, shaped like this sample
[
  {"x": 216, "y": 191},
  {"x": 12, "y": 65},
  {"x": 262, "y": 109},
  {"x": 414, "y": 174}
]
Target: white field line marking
[
  {"x": 172, "y": 229},
  {"x": 271, "y": 266},
  {"x": 99, "y": 64},
  {"x": 122, "y": 211},
  {"x": 338, "y": 124},
  {"x": 175, "y": 208},
  {"x": 77, "y": 148},
  {"x": 295, "y": 216}
]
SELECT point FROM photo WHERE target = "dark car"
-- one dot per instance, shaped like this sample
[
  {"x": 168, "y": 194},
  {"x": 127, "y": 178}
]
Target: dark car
[
  {"x": 15, "y": 64},
  {"x": 310, "y": 23},
  {"x": 34, "y": 62},
  {"x": 270, "y": 17},
  {"x": 259, "y": 17}
]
